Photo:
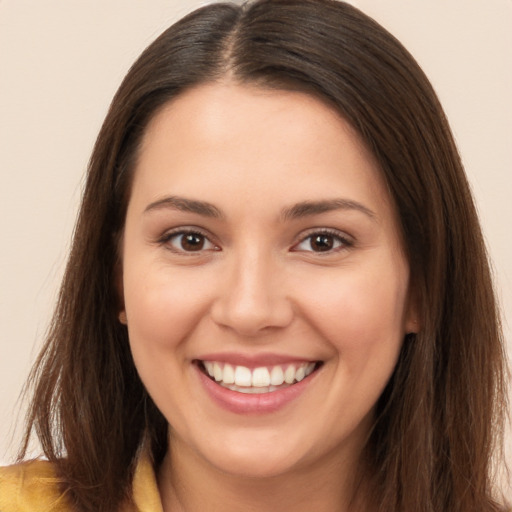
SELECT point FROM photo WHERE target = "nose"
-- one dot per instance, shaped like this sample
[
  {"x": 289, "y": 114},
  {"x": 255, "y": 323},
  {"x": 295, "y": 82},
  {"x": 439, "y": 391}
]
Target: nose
[{"x": 252, "y": 300}]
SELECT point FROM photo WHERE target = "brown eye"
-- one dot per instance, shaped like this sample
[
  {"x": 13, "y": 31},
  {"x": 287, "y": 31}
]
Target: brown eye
[
  {"x": 192, "y": 242},
  {"x": 188, "y": 242},
  {"x": 323, "y": 242}
]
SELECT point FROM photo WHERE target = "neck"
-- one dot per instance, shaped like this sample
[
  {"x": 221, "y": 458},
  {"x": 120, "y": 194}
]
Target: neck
[{"x": 189, "y": 483}]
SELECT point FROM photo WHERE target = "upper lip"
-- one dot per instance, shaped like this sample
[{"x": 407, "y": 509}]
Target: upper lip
[{"x": 254, "y": 360}]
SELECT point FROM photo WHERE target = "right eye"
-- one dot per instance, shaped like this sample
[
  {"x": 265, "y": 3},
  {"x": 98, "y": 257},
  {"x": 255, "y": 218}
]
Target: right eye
[{"x": 188, "y": 241}]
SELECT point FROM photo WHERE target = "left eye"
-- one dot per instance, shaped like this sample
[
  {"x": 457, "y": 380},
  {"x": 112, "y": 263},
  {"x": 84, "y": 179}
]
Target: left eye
[
  {"x": 322, "y": 242},
  {"x": 189, "y": 242}
]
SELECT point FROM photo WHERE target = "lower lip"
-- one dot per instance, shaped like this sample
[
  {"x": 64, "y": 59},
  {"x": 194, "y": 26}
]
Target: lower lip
[{"x": 261, "y": 403}]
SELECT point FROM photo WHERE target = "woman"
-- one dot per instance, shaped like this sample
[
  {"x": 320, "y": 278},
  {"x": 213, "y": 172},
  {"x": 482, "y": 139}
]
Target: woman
[{"x": 278, "y": 296}]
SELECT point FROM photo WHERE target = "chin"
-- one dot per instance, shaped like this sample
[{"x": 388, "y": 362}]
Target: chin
[
  {"x": 263, "y": 456},
  {"x": 255, "y": 465}
]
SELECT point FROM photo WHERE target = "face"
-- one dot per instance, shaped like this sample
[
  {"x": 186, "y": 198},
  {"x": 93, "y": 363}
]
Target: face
[{"x": 265, "y": 290}]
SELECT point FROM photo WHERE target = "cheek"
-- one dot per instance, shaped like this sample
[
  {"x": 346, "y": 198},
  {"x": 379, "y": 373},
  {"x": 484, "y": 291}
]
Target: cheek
[
  {"x": 361, "y": 313},
  {"x": 162, "y": 306}
]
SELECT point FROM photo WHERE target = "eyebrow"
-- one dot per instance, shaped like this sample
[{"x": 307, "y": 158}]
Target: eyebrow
[
  {"x": 297, "y": 211},
  {"x": 185, "y": 205},
  {"x": 308, "y": 208}
]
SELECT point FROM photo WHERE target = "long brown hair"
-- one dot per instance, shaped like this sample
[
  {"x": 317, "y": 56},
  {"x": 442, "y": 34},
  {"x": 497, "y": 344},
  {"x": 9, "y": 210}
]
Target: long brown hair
[{"x": 440, "y": 417}]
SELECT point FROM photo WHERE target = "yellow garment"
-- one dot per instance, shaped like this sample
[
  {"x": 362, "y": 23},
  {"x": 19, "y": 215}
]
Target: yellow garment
[{"x": 33, "y": 487}]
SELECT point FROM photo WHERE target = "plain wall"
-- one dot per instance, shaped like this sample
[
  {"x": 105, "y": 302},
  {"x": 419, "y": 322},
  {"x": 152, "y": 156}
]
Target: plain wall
[{"x": 60, "y": 64}]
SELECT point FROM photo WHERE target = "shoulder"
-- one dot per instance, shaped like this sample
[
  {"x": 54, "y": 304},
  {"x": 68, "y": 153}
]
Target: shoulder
[{"x": 31, "y": 486}]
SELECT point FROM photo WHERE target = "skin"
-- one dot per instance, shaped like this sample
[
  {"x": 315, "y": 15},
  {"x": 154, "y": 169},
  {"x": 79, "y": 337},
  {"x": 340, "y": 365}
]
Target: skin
[{"x": 259, "y": 285}]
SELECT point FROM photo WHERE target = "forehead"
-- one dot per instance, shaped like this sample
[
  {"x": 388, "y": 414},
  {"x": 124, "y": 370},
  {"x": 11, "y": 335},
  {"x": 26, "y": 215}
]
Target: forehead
[
  {"x": 246, "y": 138},
  {"x": 204, "y": 107},
  {"x": 204, "y": 110}
]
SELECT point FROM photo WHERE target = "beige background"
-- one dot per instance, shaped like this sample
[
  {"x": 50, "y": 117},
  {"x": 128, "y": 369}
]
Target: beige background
[{"x": 62, "y": 60}]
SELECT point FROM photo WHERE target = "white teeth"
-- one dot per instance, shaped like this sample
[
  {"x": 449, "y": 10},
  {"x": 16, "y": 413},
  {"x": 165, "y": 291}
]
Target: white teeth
[
  {"x": 276, "y": 376},
  {"x": 217, "y": 372},
  {"x": 257, "y": 380},
  {"x": 229, "y": 374},
  {"x": 250, "y": 390},
  {"x": 289, "y": 374},
  {"x": 209, "y": 367},
  {"x": 243, "y": 376},
  {"x": 260, "y": 377}
]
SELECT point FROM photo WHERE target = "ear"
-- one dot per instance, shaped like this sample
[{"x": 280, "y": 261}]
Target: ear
[
  {"x": 412, "y": 326},
  {"x": 412, "y": 320},
  {"x": 122, "y": 317},
  {"x": 119, "y": 292}
]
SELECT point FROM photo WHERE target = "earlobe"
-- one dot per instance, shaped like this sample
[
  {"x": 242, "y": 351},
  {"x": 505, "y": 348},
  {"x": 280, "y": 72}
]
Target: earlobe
[
  {"x": 119, "y": 291},
  {"x": 412, "y": 327},
  {"x": 412, "y": 321}
]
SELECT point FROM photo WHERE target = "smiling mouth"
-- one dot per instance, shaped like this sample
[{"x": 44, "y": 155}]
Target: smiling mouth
[{"x": 263, "y": 379}]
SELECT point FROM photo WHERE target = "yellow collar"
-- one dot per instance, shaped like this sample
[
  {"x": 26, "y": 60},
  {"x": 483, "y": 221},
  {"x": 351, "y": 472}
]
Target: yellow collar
[
  {"x": 33, "y": 485},
  {"x": 145, "y": 490}
]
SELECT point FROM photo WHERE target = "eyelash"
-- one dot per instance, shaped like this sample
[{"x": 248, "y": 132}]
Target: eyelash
[
  {"x": 341, "y": 241},
  {"x": 340, "y": 238},
  {"x": 166, "y": 240}
]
